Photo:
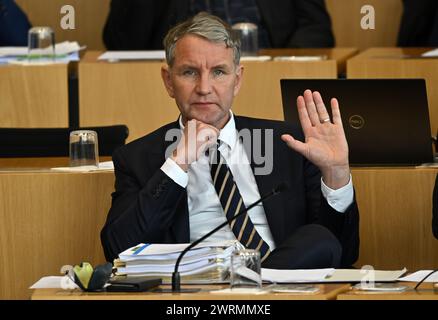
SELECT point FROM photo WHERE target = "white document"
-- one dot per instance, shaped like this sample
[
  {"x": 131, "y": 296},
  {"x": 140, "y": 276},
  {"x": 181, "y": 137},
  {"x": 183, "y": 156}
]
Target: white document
[
  {"x": 54, "y": 282},
  {"x": 304, "y": 275},
  {"x": 330, "y": 275},
  {"x": 419, "y": 275},
  {"x": 113, "y": 56},
  {"x": 240, "y": 291},
  {"x": 103, "y": 166},
  {"x": 358, "y": 275},
  {"x": 430, "y": 54},
  {"x": 62, "y": 48},
  {"x": 13, "y": 51},
  {"x": 256, "y": 58}
]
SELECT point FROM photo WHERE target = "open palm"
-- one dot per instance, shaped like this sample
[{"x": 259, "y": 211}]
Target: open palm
[{"x": 325, "y": 144}]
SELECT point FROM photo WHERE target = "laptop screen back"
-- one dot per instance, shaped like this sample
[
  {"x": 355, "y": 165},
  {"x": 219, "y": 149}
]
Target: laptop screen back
[{"x": 386, "y": 122}]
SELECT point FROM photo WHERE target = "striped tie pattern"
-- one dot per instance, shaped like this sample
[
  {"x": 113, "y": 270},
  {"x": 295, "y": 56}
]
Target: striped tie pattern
[{"x": 232, "y": 203}]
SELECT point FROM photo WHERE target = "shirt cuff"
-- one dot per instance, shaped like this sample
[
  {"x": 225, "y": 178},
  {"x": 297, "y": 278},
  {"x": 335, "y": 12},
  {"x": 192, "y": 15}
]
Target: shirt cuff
[
  {"x": 174, "y": 172},
  {"x": 339, "y": 199}
]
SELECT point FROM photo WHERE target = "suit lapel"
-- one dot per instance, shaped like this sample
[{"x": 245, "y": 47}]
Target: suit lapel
[{"x": 273, "y": 207}]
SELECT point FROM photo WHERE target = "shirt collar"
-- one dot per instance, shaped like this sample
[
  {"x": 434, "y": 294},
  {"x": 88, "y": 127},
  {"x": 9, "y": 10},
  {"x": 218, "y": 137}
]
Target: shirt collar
[{"x": 228, "y": 133}]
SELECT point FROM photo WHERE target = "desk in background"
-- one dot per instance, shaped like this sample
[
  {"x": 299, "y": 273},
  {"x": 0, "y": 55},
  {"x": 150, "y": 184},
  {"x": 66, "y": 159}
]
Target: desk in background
[
  {"x": 51, "y": 162},
  {"x": 340, "y": 55},
  {"x": 34, "y": 96},
  {"x": 133, "y": 93},
  {"x": 390, "y": 63},
  {"x": 327, "y": 292}
]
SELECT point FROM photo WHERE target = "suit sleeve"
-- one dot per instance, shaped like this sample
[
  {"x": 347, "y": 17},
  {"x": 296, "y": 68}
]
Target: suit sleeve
[
  {"x": 313, "y": 25},
  {"x": 345, "y": 226},
  {"x": 139, "y": 213}
]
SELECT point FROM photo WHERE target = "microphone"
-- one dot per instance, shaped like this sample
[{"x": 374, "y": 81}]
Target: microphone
[{"x": 176, "y": 279}]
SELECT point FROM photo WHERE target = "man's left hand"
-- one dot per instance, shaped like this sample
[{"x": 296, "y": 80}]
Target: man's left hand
[{"x": 325, "y": 143}]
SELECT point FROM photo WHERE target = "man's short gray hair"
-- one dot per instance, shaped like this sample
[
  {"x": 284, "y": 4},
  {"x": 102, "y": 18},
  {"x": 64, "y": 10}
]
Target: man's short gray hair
[{"x": 205, "y": 26}]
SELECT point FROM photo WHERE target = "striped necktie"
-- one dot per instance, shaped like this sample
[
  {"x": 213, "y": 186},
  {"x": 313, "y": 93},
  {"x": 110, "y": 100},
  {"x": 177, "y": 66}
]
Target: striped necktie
[{"x": 232, "y": 203}]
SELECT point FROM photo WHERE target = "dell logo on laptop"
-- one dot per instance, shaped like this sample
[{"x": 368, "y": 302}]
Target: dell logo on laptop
[{"x": 356, "y": 122}]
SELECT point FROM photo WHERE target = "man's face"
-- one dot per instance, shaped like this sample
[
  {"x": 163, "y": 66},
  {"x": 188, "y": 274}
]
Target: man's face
[{"x": 203, "y": 80}]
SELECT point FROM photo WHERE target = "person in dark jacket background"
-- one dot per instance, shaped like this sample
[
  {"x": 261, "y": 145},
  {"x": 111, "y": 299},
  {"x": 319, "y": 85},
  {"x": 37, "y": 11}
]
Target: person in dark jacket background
[
  {"x": 14, "y": 24},
  {"x": 142, "y": 24},
  {"x": 419, "y": 25}
]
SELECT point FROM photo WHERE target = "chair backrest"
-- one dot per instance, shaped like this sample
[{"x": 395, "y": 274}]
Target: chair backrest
[{"x": 54, "y": 142}]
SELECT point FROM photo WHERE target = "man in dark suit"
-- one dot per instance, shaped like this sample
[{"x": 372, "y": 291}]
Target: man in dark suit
[
  {"x": 170, "y": 191},
  {"x": 142, "y": 24},
  {"x": 419, "y": 25}
]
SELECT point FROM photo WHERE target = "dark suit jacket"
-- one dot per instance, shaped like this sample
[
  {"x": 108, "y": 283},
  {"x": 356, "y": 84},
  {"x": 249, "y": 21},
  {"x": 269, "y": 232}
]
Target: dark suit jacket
[
  {"x": 419, "y": 25},
  {"x": 149, "y": 207},
  {"x": 142, "y": 24},
  {"x": 13, "y": 24}
]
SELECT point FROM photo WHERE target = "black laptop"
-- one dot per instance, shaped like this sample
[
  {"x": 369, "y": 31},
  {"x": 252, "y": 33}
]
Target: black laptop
[{"x": 386, "y": 121}]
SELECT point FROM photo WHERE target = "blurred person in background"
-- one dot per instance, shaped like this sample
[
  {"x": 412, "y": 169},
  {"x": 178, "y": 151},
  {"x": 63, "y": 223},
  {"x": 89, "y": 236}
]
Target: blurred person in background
[
  {"x": 142, "y": 24},
  {"x": 14, "y": 24},
  {"x": 419, "y": 24}
]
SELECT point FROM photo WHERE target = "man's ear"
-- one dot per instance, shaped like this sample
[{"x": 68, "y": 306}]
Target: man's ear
[
  {"x": 165, "y": 75},
  {"x": 239, "y": 76}
]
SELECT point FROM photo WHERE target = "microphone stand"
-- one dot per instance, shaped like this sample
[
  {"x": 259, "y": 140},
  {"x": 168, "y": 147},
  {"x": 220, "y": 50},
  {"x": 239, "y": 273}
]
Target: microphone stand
[{"x": 176, "y": 279}]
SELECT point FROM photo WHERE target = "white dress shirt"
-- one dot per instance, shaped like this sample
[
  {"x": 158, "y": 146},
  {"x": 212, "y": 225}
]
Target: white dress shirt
[{"x": 205, "y": 209}]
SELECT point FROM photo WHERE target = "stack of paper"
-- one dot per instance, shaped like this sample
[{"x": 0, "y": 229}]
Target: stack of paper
[
  {"x": 65, "y": 52},
  {"x": 206, "y": 263}
]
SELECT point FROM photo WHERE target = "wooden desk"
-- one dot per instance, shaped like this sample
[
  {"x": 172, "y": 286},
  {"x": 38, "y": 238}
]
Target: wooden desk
[
  {"x": 327, "y": 292},
  {"x": 389, "y": 63},
  {"x": 51, "y": 162},
  {"x": 54, "y": 219},
  {"x": 395, "y": 206},
  {"x": 49, "y": 220},
  {"x": 34, "y": 96},
  {"x": 132, "y": 93},
  {"x": 340, "y": 55},
  {"x": 426, "y": 291}
]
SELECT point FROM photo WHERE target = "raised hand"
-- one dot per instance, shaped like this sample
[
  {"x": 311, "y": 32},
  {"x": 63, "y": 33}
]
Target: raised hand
[{"x": 325, "y": 143}]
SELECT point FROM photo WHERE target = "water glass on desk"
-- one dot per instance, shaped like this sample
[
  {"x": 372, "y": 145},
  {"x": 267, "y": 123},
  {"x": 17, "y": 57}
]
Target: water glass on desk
[
  {"x": 248, "y": 34},
  {"x": 246, "y": 269},
  {"x": 83, "y": 148},
  {"x": 41, "y": 45}
]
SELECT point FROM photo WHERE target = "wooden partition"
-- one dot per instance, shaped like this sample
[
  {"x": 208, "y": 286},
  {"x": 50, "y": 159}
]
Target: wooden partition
[
  {"x": 395, "y": 208},
  {"x": 91, "y": 16},
  {"x": 132, "y": 93},
  {"x": 49, "y": 220},
  {"x": 34, "y": 96},
  {"x": 346, "y": 18},
  {"x": 399, "y": 63}
]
